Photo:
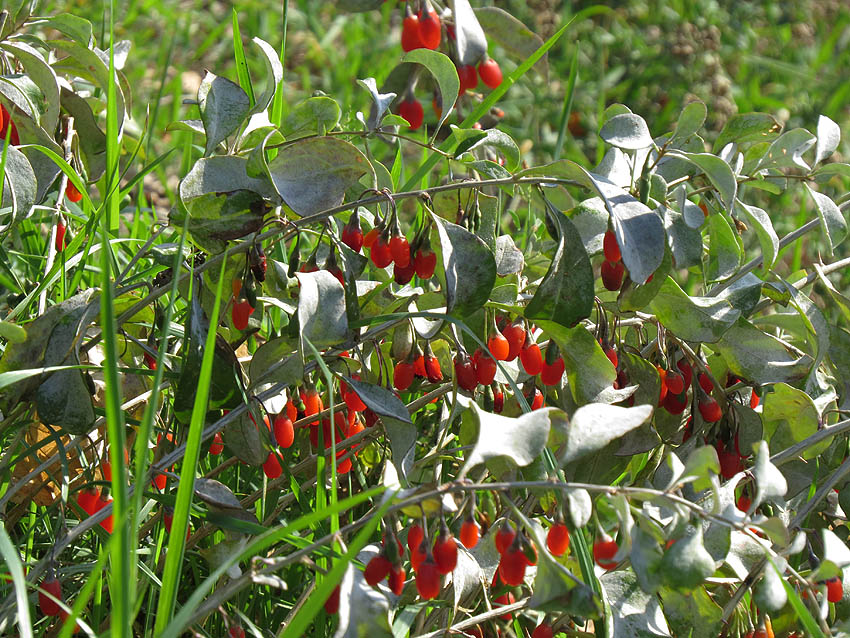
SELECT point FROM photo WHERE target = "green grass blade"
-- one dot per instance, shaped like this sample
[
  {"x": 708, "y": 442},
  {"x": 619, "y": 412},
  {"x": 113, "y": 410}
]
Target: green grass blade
[
  {"x": 241, "y": 63},
  {"x": 185, "y": 489},
  {"x": 122, "y": 575},
  {"x": 568, "y": 106},
  {"x": 184, "y": 616},
  {"x": 13, "y": 562},
  {"x": 277, "y": 103}
]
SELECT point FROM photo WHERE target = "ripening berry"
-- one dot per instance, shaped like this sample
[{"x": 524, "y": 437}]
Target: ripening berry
[
  {"x": 531, "y": 358},
  {"x": 604, "y": 550},
  {"x": 512, "y": 566},
  {"x": 430, "y": 32},
  {"x": 271, "y": 467},
  {"x": 485, "y": 367},
  {"x": 543, "y": 630},
  {"x": 418, "y": 555},
  {"x": 419, "y": 365},
  {"x": 352, "y": 235},
  {"x": 834, "y": 590},
  {"x": 498, "y": 399},
  {"x": 353, "y": 401},
  {"x": 515, "y": 334},
  {"x": 403, "y": 374},
  {"x": 710, "y": 409},
  {"x": 490, "y": 73},
  {"x": 662, "y": 375},
  {"x": 674, "y": 381},
  {"x": 102, "y": 502},
  {"x": 469, "y": 533},
  {"x": 52, "y": 586},
  {"x": 705, "y": 383},
  {"x": 428, "y": 579},
  {"x": 465, "y": 372},
  {"x": 414, "y": 537},
  {"x": 743, "y": 503},
  {"x": 371, "y": 237},
  {"x": 400, "y": 251},
  {"x": 425, "y": 261},
  {"x": 505, "y": 537},
  {"x": 558, "y": 539},
  {"x": 445, "y": 551},
  {"x": 377, "y": 569},
  {"x": 498, "y": 345},
  {"x": 397, "y": 577},
  {"x": 754, "y": 399},
  {"x": 403, "y": 275},
  {"x": 612, "y": 274},
  {"x": 611, "y": 353},
  {"x": 217, "y": 445},
  {"x": 380, "y": 252},
  {"x": 468, "y": 78},
  {"x": 284, "y": 432},
  {"x": 410, "y": 35},
  {"x": 551, "y": 374},
  {"x": 332, "y": 603},
  {"x": 501, "y": 601},
  {"x": 412, "y": 111},
  {"x": 535, "y": 400}
]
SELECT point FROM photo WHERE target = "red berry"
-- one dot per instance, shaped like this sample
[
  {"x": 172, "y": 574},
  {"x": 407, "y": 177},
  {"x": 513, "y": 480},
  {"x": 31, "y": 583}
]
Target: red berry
[
  {"x": 87, "y": 500},
  {"x": 371, "y": 237},
  {"x": 412, "y": 111},
  {"x": 428, "y": 579},
  {"x": 543, "y": 630},
  {"x": 505, "y": 537},
  {"x": 611, "y": 353},
  {"x": 469, "y": 533},
  {"x": 414, "y": 537},
  {"x": 558, "y": 539},
  {"x": 240, "y": 313},
  {"x": 445, "y": 552},
  {"x": 410, "y": 36},
  {"x": 490, "y": 73},
  {"x": 485, "y": 367},
  {"x": 353, "y": 401},
  {"x": 730, "y": 461},
  {"x": 159, "y": 481},
  {"x": 403, "y": 275},
  {"x": 332, "y": 603},
  {"x": 610, "y": 247},
  {"x": 551, "y": 374},
  {"x": 498, "y": 400},
  {"x": 705, "y": 383},
  {"x": 437, "y": 105},
  {"x": 60, "y": 237},
  {"x": 468, "y": 78},
  {"x": 284, "y": 432},
  {"x": 107, "y": 522},
  {"x": 465, "y": 372},
  {"x": 536, "y": 400},
  {"x": 675, "y": 404},
  {"x": 52, "y": 586},
  {"x": 834, "y": 590},
  {"x": 612, "y": 274},
  {"x": 743, "y": 503},
  {"x": 425, "y": 261},
  {"x": 380, "y": 252},
  {"x": 531, "y": 358},
  {"x": 403, "y": 375},
  {"x": 432, "y": 369},
  {"x": 430, "y": 32},
  {"x": 754, "y": 399},
  {"x": 515, "y": 334},
  {"x": 418, "y": 555},
  {"x": 397, "y": 577},
  {"x": 512, "y": 566},
  {"x": 498, "y": 346},
  {"x": 674, "y": 381},
  {"x": 150, "y": 361},
  {"x": 217, "y": 445},
  {"x": 272, "y": 467},
  {"x": 352, "y": 235},
  {"x": 400, "y": 251},
  {"x": 604, "y": 550},
  {"x": 710, "y": 410},
  {"x": 377, "y": 569},
  {"x": 662, "y": 393},
  {"x": 236, "y": 631},
  {"x": 419, "y": 366},
  {"x": 72, "y": 193},
  {"x": 686, "y": 370},
  {"x": 505, "y": 599}
]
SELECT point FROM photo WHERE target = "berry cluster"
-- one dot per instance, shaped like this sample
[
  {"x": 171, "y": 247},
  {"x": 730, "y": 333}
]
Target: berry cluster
[{"x": 423, "y": 29}]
